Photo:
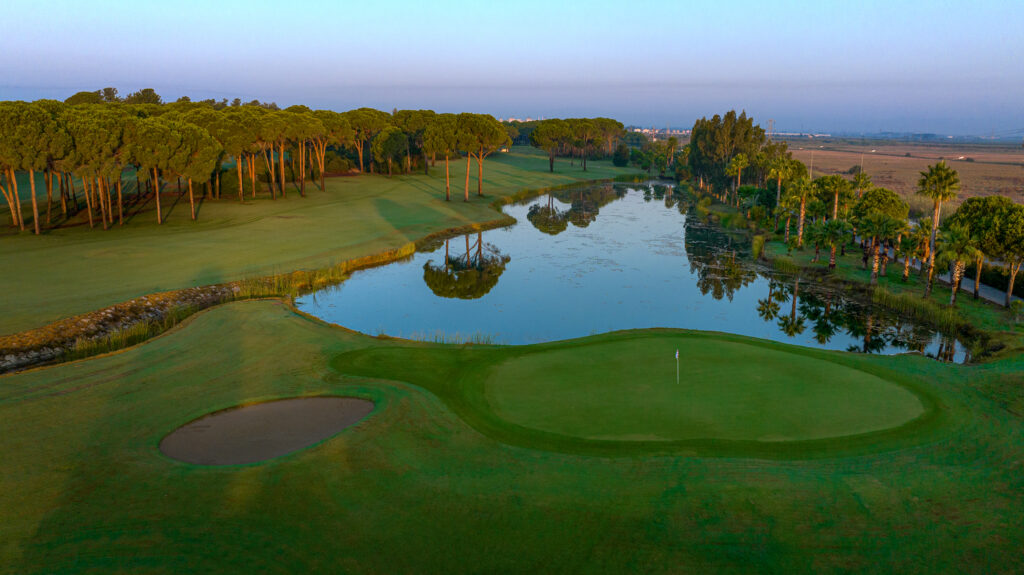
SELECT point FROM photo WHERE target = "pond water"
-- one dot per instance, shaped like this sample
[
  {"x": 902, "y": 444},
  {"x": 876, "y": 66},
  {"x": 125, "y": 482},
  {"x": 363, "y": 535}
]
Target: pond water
[{"x": 598, "y": 258}]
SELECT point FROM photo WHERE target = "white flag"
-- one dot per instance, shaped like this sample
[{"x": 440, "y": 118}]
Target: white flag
[{"x": 677, "y": 354}]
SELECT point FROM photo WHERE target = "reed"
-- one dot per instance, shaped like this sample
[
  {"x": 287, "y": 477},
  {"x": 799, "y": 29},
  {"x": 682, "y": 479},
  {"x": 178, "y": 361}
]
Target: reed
[
  {"x": 127, "y": 336},
  {"x": 440, "y": 336},
  {"x": 785, "y": 265},
  {"x": 943, "y": 317},
  {"x": 757, "y": 245}
]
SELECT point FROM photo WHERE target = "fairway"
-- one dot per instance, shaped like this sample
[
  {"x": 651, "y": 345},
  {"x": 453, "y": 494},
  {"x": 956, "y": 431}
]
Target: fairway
[{"x": 626, "y": 390}]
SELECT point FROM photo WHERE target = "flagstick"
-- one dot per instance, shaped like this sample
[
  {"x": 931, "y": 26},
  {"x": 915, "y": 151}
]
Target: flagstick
[{"x": 677, "y": 367}]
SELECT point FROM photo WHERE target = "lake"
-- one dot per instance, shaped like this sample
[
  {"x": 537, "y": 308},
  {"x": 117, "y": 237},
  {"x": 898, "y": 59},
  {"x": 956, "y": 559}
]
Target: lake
[{"x": 603, "y": 257}]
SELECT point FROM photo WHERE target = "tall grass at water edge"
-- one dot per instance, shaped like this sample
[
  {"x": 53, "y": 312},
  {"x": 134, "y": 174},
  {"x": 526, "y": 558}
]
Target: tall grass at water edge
[{"x": 943, "y": 317}]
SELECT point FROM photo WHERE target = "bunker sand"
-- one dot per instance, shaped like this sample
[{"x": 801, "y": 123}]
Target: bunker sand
[{"x": 254, "y": 433}]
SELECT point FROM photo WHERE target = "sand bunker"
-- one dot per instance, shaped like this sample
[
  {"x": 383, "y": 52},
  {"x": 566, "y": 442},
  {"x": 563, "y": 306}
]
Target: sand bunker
[{"x": 262, "y": 431}]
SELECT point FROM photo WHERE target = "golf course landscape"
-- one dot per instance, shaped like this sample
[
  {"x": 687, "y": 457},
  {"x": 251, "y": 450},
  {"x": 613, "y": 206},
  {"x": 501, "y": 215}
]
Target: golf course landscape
[
  {"x": 463, "y": 287},
  {"x": 584, "y": 455}
]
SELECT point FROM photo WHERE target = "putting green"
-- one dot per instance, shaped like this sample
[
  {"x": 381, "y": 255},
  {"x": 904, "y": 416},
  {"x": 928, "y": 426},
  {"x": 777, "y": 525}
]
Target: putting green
[{"x": 627, "y": 390}]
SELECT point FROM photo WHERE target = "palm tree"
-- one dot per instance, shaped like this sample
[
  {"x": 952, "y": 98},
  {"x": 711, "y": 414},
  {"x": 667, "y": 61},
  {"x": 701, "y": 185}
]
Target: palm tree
[
  {"x": 816, "y": 237},
  {"x": 892, "y": 231},
  {"x": 907, "y": 250},
  {"x": 940, "y": 183},
  {"x": 800, "y": 190},
  {"x": 922, "y": 237},
  {"x": 833, "y": 186},
  {"x": 736, "y": 166},
  {"x": 779, "y": 169},
  {"x": 833, "y": 234},
  {"x": 957, "y": 247},
  {"x": 861, "y": 182},
  {"x": 879, "y": 227}
]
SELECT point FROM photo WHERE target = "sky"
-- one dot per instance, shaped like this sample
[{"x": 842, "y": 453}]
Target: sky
[{"x": 824, "y": 66}]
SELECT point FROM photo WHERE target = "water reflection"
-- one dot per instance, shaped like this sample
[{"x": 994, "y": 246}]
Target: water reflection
[
  {"x": 584, "y": 205},
  {"x": 468, "y": 276},
  {"x": 593, "y": 259},
  {"x": 717, "y": 258}
]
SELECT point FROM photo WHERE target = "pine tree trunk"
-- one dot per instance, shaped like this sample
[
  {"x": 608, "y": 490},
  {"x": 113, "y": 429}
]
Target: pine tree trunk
[
  {"x": 191, "y": 200},
  {"x": 480, "y": 173},
  {"x": 788, "y": 219},
  {"x": 110, "y": 200},
  {"x": 273, "y": 176},
  {"x": 48, "y": 178},
  {"x": 447, "y": 181},
  {"x": 252, "y": 174},
  {"x": 63, "y": 183},
  {"x": 120, "y": 203},
  {"x": 302, "y": 169},
  {"x": 17, "y": 199},
  {"x": 241, "y": 187},
  {"x": 88, "y": 200},
  {"x": 469, "y": 157},
  {"x": 102, "y": 200},
  {"x": 9, "y": 196},
  {"x": 280, "y": 161},
  {"x": 156, "y": 192},
  {"x": 35, "y": 204}
]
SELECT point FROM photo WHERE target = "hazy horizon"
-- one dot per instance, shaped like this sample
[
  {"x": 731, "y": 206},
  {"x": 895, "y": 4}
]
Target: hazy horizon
[{"x": 939, "y": 67}]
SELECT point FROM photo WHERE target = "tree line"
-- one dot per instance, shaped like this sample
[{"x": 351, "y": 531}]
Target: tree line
[
  {"x": 830, "y": 210},
  {"x": 82, "y": 150},
  {"x": 582, "y": 138}
]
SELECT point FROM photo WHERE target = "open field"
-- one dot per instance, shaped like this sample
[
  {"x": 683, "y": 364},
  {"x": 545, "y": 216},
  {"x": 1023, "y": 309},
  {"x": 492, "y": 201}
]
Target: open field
[
  {"x": 86, "y": 488},
  {"x": 74, "y": 270},
  {"x": 995, "y": 169}
]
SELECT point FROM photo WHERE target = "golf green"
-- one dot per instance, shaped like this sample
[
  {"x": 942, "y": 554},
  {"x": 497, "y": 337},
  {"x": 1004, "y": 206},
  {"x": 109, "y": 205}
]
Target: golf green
[{"x": 627, "y": 390}]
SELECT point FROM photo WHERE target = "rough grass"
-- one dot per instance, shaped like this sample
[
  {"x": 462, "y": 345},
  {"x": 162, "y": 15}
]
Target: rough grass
[
  {"x": 74, "y": 270},
  {"x": 85, "y": 489}
]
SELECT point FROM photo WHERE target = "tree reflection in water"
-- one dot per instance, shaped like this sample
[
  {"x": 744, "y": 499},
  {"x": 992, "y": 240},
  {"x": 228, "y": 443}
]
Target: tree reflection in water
[
  {"x": 721, "y": 262},
  {"x": 469, "y": 276},
  {"x": 716, "y": 258},
  {"x": 584, "y": 206}
]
